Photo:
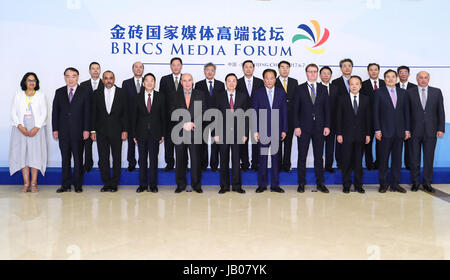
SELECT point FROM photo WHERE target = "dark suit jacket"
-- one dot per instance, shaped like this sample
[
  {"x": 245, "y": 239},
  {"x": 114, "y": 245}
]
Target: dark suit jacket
[
  {"x": 167, "y": 89},
  {"x": 87, "y": 85},
  {"x": 222, "y": 103},
  {"x": 260, "y": 100},
  {"x": 130, "y": 89},
  {"x": 431, "y": 120},
  {"x": 291, "y": 85},
  {"x": 305, "y": 110},
  {"x": 202, "y": 86},
  {"x": 392, "y": 122},
  {"x": 179, "y": 102},
  {"x": 332, "y": 101},
  {"x": 409, "y": 86},
  {"x": 367, "y": 90},
  {"x": 143, "y": 121},
  {"x": 242, "y": 85},
  {"x": 340, "y": 84},
  {"x": 114, "y": 123},
  {"x": 71, "y": 119},
  {"x": 353, "y": 127}
]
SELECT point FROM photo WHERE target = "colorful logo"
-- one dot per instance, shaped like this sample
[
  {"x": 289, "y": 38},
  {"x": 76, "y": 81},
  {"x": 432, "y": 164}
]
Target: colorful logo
[{"x": 315, "y": 39}]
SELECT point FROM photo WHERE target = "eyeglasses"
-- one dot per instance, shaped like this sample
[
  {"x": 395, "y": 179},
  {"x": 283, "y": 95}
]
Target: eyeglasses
[
  {"x": 31, "y": 81},
  {"x": 312, "y": 72}
]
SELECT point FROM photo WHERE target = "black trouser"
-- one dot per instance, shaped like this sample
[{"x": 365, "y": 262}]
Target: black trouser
[
  {"x": 105, "y": 146},
  {"x": 352, "y": 153},
  {"x": 428, "y": 145},
  {"x": 181, "y": 165},
  {"x": 71, "y": 148},
  {"x": 407, "y": 153},
  {"x": 169, "y": 148},
  {"x": 88, "y": 161},
  {"x": 236, "y": 180},
  {"x": 244, "y": 155},
  {"x": 148, "y": 149},
  {"x": 368, "y": 153},
  {"x": 390, "y": 146},
  {"x": 303, "y": 146},
  {"x": 131, "y": 152},
  {"x": 330, "y": 141},
  {"x": 214, "y": 160},
  {"x": 285, "y": 151}
]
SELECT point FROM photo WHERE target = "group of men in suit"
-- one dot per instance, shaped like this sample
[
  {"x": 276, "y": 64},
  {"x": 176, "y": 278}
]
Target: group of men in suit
[{"x": 344, "y": 116}]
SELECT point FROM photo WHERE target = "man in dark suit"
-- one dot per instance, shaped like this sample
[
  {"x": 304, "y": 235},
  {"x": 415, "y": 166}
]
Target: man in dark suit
[
  {"x": 369, "y": 87},
  {"x": 230, "y": 137},
  {"x": 71, "y": 118},
  {"x": 403, "y": 75},
  {"x": 288, "y": 85},
  {"x": 391, "y": 124},
  {"x": 427, "y": 123},
  {"x": 132, "y": 87},
  {"x": 312, "y": 122},
  {"x": 330, "y": 140},
  {"x": 91, "y": 85},
  {"x": 148, "y": 130},
  {"x": 249, "y": 84},
  {"x": 341, "y": 83},
  {"x": 210, "y": 86},
  {"x": 272, "y": 99},
  {"x": 168, "y": 85},
  {"x": 353, "y": 132},
  {"x": 191, "y": 103},
  {"x": 109, "y": 128}
]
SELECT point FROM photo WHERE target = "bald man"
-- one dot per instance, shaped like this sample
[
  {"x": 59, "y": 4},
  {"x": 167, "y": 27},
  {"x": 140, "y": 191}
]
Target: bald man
[
  {"x": 427, "y": 124},
  {"x": 188, "y": 99},
  {"x": 132, "y": 87}
]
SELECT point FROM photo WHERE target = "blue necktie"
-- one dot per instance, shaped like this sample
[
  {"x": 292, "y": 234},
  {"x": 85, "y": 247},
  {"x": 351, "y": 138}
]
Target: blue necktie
[
  {"x": 270, "y": 98},
  {"x": 210, "y": 88}
]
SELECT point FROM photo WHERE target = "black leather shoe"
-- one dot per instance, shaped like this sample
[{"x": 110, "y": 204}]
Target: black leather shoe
[
  {"x": 153, "y": 189},
  {"x": 346, "y": 189},
  {"x": 215, "y": 169},
  {"x": 78, "y": 189},
  {"x": 168, "y": 168},
  {"x": 383, "y": 189},
  {"x": 277, "y": 189},
  {"x": 260, "y": 189},
  {"x": 104, "y": 189},
  {"x": 360, "y": 189},
  {"x": 398, "y": 189},
  {"x": 322, "y": 188},
  {"x": 287, "y": 169},
  {"x": 179, "y": 189},
  {"x": 301, "y": 188},
  {"x": 87, "y": 168},
  {"x": 330, "y": 170},
  {"x": 141, "y": 189},
  {"x": 238, "y": 190},
  {"x": 198, "y": 190},
  {"x": 407, "y": 167},
  {"x": 428, "y": 188},
  {"x": 223, "y": 190},
  {"x": 415, "y": 187},
  {"x": 113, "y": 189},
  {"x": 131, "y": 168},
  {"x": 63, "y": 189},
  {"x": 254, "y": 168}
]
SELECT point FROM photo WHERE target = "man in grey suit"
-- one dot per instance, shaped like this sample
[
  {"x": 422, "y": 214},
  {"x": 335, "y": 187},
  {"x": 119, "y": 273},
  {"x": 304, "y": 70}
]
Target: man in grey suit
[{"x": 427, "y": 123}]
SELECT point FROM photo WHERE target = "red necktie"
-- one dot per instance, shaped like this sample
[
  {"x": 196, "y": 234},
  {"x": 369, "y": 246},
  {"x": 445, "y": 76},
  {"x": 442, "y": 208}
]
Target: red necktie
[
  {"x": 375, "y": 87},
  {"x": 149, "y": 103},
  {"x": 231, "y": 102}
]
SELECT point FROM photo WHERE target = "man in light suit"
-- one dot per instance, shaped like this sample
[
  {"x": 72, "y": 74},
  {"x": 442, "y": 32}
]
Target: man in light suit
[
  {"x": 71, "y": 122},
  {"x": 109, "y": 128},
  {"x": 391, "y": 118},
  {"x": 427, "y": 123},
  {"x": 272, "y": 99}
]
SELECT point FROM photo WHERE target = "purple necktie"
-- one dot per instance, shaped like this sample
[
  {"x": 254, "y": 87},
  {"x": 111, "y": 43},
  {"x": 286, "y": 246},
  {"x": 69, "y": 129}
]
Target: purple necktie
[
  {"x": 70, "y": 95},
  {"x": 393, "y": 97}
]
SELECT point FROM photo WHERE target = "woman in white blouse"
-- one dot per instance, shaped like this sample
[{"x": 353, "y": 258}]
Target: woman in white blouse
[{"x": 28, "y": 146}]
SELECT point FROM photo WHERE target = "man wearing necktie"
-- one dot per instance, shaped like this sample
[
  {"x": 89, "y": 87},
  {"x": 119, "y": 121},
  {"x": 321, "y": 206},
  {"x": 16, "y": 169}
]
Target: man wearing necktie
[
  {"x": 132, "y": 87},
  {"x": 210, "y": 86},
  {"x": 403, "y": 76},
  {"x": 288, "y": 84},
  {"x": 71, "y": 122},
  {"x": 272, "y": 100},
  {"x": 312, "y": 123},
  {"x": 109, "y": 128},
  {"x": 369, "y": 88},
  {"x": 91, "y": 85},
  {"x": 391, "y": 122},
  {"x": 427, "y": 124}
]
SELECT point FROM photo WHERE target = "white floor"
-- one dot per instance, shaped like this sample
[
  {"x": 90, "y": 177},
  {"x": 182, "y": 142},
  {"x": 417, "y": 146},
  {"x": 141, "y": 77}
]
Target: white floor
[{"x": 127, "y": 225}]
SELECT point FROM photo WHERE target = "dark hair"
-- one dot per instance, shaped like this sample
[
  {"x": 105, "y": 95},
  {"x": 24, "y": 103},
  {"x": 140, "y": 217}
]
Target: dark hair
[
  {"x": 356, "y": 77},
  {"x": 230, "y": 75},
  {"x": 149, "y": 74},
  {"x": 325, "y": 68},
  {"x": 23, "y": 83},
  {"x": 176, "y": 58},
  {"x": 403, "y": 67},
  {"x": 210, "y": 64},
  {"x": 71, "y": 69},
  {"x": 345, "y": 60},
  {"x": 390, "y": 70},
  {"x": 311, "y": 65},
  {"x": 93, "y": 63},
  {"x": 109, "y": 71},
  {"x": 248, "y": 61},
  {"x": 373, "y": 64},
  {"x": 269, "y": 70},
  {"x": 285, "y": 62}
]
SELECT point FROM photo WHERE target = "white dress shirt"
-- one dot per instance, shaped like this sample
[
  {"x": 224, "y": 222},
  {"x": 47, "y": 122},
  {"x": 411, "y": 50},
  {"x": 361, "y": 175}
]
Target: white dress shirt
[
  {"x": 109, "y": 98},
  {"x": 234, "y": 96},
  {"x": 151, "y": 97},
  {"x": 352, "y": 97},
  {"x": 246, "y": 84},
  {"x": 373, "y": 83},
  {"x": 95, "y": 86},
  {"x": 405, "y": 84},
  {"x": 309, "y": 87},
  {"x": 74, "y": 90}
]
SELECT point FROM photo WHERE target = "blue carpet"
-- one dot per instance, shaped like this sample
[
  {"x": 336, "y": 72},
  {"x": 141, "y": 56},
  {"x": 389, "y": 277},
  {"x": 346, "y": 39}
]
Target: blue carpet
[{"x": 53, "y": 177}]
